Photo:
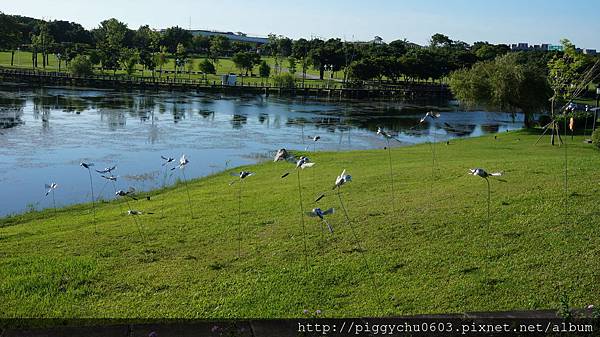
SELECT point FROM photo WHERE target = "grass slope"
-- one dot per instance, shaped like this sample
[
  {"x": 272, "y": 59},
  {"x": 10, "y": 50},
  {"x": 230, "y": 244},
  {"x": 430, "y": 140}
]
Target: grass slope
[{"x": 435, "y": 254}]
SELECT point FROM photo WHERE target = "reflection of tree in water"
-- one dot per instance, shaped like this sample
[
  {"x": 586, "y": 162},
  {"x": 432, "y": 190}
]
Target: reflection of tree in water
[
  {"x": 115, "y": 119},
  {"x": 154, "y": 131},
  {"x": 490, "y": 128},
  {"x": 9, "y": 118},
  {"x": 146, "y": 102},
  {"x": 238, "y": 120},
  {"x": 207, "y": 113},
  {"x": 11, "y": 111},
  {"x": 461, "y": 130},
  {"x": 263, "y": 117},
  {"x": 178, "y": 113}
]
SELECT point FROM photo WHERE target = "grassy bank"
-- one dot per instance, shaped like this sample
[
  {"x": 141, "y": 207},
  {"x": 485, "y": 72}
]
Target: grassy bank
[{"x": 434, "y": 254}]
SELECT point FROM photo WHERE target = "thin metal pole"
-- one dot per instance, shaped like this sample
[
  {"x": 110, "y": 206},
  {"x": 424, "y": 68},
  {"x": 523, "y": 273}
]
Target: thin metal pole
[
  {"x": 93, "y": 202},
  {"x": 302, "y": 221},
  {"x": 188, "y": 192},
  {"x": 391, "y": 176}
]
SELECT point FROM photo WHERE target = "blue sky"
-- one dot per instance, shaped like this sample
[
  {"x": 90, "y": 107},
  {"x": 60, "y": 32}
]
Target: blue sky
[{"x": 496, "y": 21}]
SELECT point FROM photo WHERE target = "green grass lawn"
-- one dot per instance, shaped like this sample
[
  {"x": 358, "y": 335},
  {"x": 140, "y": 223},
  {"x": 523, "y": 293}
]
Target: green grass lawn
[{"x": 435, "y": 253}]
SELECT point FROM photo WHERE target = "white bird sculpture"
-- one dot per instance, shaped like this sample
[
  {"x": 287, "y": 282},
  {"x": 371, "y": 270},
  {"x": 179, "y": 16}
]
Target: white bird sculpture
[
  {"x": 50, "y": 188},
  {"x": 430, "y": 114},
  {"x": 183, "y": 161},
  {"x": 342, "y": 179},
  {"x": 483, "y": 173}
]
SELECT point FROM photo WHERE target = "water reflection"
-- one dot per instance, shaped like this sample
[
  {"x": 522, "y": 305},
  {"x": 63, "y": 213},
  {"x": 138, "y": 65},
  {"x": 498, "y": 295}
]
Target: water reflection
[{"x": 46, "y": 132}]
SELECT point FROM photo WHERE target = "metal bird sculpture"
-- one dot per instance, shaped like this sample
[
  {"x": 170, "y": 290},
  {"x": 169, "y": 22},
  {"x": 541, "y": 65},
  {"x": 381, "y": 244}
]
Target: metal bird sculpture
[
  {"x": 129, "y": 193},
  {"x": 88, "y": 166},
  {"x": 50, "y": 189},
  {"x": 387, "y": 137},
  {"x": 107, "y": 170},
  {"x": 342, "y": 179},
  {"x": 167, "y": 160},
  {"x": 317, "y": 212},
  {"x": 479, "y": 172}
]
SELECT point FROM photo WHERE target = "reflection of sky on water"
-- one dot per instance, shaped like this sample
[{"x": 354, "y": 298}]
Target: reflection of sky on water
[{"x": 45, "y": 133}]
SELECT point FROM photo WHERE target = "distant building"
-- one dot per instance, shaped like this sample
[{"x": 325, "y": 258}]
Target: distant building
[
  {"x": 519, "y": 46},
  {"x": 554, "y": 47},
  {"x": 238, "y": 36},
  {"x": 377, "y": 40},
  {"x": 590, "y": 51}
]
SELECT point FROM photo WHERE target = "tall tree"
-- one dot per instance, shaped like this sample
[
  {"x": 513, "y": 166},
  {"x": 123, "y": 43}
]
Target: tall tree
[
  {"x": 505, "y": 83},
  {"x": 10, "y": 35},
  {"x": 111, "y": 39},
  {"x": 174, "y": 36},
  {"x": 218, "y": 46}
]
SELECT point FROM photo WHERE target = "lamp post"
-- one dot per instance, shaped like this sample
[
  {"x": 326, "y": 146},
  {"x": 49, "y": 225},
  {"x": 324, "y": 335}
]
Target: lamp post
[{"x": 596, "y": 110}]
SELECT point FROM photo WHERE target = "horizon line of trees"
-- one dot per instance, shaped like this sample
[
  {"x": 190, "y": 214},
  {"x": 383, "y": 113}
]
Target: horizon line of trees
[{"x": 114, "y": 46}]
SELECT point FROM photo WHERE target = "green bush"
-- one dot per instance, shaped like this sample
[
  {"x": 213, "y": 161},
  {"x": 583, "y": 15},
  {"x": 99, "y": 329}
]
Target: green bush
[
  {"x": 596, "y": 138},
  {"x": 285, "y": 80},
  {"x": 80, "y": 66}
]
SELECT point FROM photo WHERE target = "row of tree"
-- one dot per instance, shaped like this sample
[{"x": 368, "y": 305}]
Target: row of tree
[{"x": 113, "y": 46}]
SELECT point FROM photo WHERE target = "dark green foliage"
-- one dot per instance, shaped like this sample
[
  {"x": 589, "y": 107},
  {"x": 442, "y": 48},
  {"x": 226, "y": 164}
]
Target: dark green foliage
[
  {"x": 596, "y": 138},
  {"x": 284, "y": 80},
  {"x": 504, "y": 83},
  {"x": 80, "y": 66}
]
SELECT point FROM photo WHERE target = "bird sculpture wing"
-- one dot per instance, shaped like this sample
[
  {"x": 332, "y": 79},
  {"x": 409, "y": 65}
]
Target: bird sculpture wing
[
  {"x": 329, "y": 211},
  {"x": 307, "y": 165},
  {"x": 312, "y": 214}
]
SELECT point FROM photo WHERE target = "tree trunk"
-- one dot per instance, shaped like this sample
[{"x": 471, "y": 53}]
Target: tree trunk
[
  {"x": 527, "y": 120},
  {"x": 12, "y": 58},
  {"x": 321, "y": 72}
]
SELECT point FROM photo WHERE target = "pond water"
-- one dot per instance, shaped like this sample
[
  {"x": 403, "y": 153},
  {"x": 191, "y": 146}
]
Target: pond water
[{"x": 45, "y": 134}]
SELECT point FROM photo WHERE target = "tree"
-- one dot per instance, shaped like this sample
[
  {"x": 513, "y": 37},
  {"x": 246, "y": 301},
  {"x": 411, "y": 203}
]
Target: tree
[
  {"x": 111, "y": 37},
  {"x": 300, "y": 51},
  {"x": 503, "y": 83},
  {"x": 161, "y": 59},
  {"x": 129, "y": 59},
  {"x": 10, "y": 36},
  {"x": 200, "y": 44},
  {"x": 80, "y": 66},
  {"x": 364, "y": 69},
  {"x": 565, "y": 72},
  {"x": 218, "y": 46},
  {"x": 69, "y": 32},
  {"x": 181, "y": 58},
  {"x": 206, "y": 67},
  {"x": 292, "y": 65},
  {"x": 147, "y": 41},
  {"x": 440, "y": 40},
  {"x": 174, "y": 36},
  {"x": 486, "y": 51},
  {"x": 42, "y": 40},
  {"x": 245, "y": 61},
  {"x": 264, "y": 69}
]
